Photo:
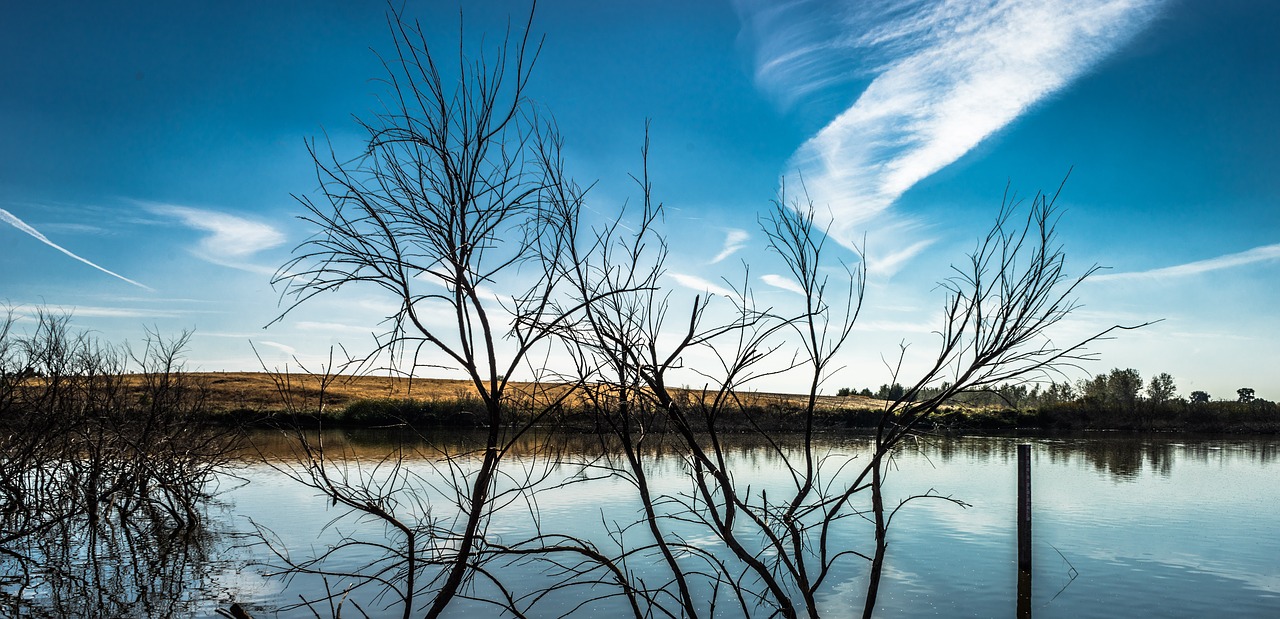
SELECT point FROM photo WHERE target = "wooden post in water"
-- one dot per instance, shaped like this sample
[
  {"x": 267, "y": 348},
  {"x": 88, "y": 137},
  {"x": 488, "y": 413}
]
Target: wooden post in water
[
  {"x": 1024, "y": 507},
  {"x": 1024, "y": 531}
]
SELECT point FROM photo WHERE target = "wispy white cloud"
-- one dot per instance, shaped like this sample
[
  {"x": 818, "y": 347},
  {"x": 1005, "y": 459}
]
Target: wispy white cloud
[
  {"x": 1265, "y": 253},
  {"x": 785, "y": 283},
  {"x": 332, "y": 327},
  {"x": 699, "y": 284},
  {"x": 943, "y": 77},
  {"x": 231, "y": 241},
  {"x": 285, "y": 348},
  {"x": 889, "y": 262},
  {"x": 798, "y": 46},
  {"x": 734, "y": 240},
  {"x": 22, "y": 226},
  {"x": 894, "y": 326},
  {"x": 897, "y": 308},
  {"x": 89, "y": 311},
  {"x": 74, "y": 228},
  {"x": 1215, "y": 336},
  {"x": 162, "y": 300},
  {"x": 234, "y": 335}
]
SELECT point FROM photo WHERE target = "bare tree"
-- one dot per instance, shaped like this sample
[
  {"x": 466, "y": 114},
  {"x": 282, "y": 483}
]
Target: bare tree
[
  {"x": 105, "y": 476},
  {"x": 995, "y": 328},
  {"x": 1000, "y": 309},
  {"x": 451, "y": 202},
  {"x": 461, "y": 195}
]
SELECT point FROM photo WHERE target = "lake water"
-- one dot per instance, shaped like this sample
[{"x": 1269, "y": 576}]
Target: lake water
[{"x": 1123, "y": 527}]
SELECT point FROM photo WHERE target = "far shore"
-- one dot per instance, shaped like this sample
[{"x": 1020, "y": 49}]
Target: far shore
[{"x": 259, "y": 398}]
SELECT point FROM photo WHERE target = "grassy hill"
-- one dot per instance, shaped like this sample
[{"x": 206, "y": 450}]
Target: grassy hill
[{"x": 260, "y": 391}]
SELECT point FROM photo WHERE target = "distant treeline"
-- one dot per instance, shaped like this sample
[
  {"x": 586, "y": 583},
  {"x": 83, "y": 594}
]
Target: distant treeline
[
  {"x": 1118, "y": 400},
  {"x": 1115, "y": 401},
  {"x": 34, "y": 367}
]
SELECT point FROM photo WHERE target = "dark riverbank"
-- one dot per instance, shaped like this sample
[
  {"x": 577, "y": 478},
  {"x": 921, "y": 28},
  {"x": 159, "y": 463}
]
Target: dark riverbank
[{"x": 779, "y": 414}]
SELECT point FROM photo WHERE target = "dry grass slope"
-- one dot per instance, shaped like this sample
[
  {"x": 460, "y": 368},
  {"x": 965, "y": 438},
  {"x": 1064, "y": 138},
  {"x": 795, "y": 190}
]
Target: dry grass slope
[{"x": 228, "y": 391}]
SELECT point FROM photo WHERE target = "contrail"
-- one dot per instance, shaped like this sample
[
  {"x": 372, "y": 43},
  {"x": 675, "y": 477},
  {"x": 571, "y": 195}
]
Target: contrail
[{"x": 22, "y": 225}]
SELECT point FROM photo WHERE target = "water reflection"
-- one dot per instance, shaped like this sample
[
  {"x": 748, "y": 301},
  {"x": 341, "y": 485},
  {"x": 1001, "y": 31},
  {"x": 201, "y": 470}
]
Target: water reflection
[
  {"x": 1123, "y": 458},
  {"x": 1192, "y": 530},
  {"x": 945, "y": 557},
  {"x": 121, "y": 564}
]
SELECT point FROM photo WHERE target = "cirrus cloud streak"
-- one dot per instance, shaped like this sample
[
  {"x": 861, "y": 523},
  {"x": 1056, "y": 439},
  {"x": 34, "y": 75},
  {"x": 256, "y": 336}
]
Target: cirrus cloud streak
[
  {"x": 231, "y": 240},
  {"x": 1258, "y": 254},
  {"x": 944, "y": 76}
]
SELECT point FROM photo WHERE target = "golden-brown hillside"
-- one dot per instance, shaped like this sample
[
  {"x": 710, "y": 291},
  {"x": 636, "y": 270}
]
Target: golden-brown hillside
[{"x": 259, "y": 391}]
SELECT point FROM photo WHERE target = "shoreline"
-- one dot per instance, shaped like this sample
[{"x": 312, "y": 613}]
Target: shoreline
[{"x": 261, "y": 399}]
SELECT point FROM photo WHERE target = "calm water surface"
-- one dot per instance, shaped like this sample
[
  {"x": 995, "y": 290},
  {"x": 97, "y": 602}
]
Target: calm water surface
[{"x": 1122, "y": 527}]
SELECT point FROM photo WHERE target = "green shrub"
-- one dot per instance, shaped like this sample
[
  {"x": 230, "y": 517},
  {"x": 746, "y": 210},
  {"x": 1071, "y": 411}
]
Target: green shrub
[{"x": 407, "y": 411}]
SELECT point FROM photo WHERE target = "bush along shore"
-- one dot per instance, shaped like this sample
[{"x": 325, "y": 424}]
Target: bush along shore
[
  {"x": 777, "y": 412},
  {"x": 1259, "y": 417}
]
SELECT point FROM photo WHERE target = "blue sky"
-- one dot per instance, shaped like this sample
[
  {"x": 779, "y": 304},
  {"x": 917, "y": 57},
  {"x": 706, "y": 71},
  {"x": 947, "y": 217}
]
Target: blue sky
[{"x": 149, "y": 150}]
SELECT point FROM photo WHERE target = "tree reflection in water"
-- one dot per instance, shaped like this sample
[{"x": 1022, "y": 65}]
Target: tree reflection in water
[
  {"x": 108, "y": 468},
  {"x": 123, "y": 565},
  {"x": 1122, "y": 457}
]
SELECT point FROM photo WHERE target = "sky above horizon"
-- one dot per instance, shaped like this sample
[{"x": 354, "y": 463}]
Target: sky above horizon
[{"x": 150, "y": 152}]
